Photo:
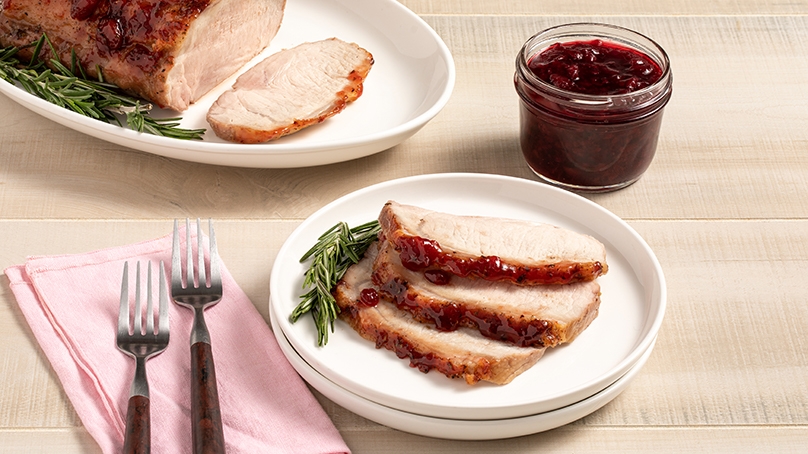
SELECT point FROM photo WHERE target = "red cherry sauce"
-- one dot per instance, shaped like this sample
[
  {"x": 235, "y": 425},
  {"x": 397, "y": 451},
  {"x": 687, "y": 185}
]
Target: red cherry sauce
[
  {"x": 449, "y": 317},
  {"x": 595, "y": 68},
  {"x": 424, "y": 362},
  {"x": 398, "y": 344},
  {"x": 417, "y": 253},
  {"x": 580, "y": 145},
  {"x": 369, "y": 297},
  {"x": 82, "y": 9}
]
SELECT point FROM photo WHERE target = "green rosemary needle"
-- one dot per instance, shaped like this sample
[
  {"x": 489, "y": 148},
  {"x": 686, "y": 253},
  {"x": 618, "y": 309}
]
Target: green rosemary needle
[
  {"x": 69, "y": 88},
  {"x": 335, "y": 251}
]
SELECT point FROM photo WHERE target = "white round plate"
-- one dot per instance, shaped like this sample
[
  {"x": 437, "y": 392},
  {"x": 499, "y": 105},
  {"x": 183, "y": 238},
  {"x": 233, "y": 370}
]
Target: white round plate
[
  {"x": 452, "y": 428},
  {"x": 631, "y": 310},
  {"x": 410, "y": 82}
]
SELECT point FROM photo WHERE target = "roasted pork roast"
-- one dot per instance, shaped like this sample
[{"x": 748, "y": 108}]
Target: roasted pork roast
[{"x": 168, "y": 52}]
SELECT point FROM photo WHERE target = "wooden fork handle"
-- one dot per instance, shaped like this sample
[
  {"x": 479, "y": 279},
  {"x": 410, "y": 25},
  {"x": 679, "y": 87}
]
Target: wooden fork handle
[
  {"x": 208, "y": 437},
  {"x": 137, "y": 439}
]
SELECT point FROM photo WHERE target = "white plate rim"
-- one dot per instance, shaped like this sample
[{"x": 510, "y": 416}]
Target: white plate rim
[
  {"x": 489, "y": 410},
  {"x": 271, "y": 155},
  {"x": 456, "y": 429}
]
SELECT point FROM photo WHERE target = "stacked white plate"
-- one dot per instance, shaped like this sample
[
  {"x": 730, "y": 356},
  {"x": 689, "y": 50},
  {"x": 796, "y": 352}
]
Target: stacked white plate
[{"x": 568, "y": 383}]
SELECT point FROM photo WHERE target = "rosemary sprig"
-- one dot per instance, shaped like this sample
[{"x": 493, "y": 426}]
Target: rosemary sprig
[
  {"x": 335, "y": 251},
  {"x": 71, "y": 89}
]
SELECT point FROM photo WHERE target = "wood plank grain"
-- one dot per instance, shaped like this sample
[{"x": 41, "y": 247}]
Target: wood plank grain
[
  {"x": 47, "y": 441},
  {"x": 732, "y": 140},
  {"x": 381, "y": 440},
  {"x": 606, "y": 8},
  {"x": 574, "y": 438}
]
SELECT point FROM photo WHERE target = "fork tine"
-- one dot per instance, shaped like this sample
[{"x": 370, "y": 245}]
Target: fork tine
[
  {"x": 123, "y": 311},
  {"x": 176, "y": 265},
  {"x": 215, "y": 275},
  {"x": 162, "y": 326},
  {"x": 149, "y": 302},
  {"x": 200, "y": 255},
  {"x": 138, "y": 315},
  {"x": 189, "y": 264}
]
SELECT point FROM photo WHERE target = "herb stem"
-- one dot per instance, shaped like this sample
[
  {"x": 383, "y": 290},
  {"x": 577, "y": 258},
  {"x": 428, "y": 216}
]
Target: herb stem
[
  {"x": 331, "y": 256},
  {"x": 95, "y": 99}
]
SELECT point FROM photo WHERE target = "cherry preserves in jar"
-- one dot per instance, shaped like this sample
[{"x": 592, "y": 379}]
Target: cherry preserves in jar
[{"x": 591, "y": 103}]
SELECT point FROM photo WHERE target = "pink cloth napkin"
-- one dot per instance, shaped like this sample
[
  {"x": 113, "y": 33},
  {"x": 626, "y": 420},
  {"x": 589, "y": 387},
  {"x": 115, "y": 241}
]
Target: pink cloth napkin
[{"x": 71, "y": 303}]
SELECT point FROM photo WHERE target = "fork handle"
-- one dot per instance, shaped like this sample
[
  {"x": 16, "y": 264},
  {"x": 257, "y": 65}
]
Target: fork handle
[
  {"x": 208, "y": 437},
  {"x": 137, "y": 439}
]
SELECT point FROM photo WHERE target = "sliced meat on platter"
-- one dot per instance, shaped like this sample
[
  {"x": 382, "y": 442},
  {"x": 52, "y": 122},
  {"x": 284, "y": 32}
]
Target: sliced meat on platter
[
  {"x": 462, "y": 353},
  {"x": 168, "y": 52},
  {"x": 522, "y": 252},
  {"x": 527, "y": 316},
  {"x": 290, "y": 90}
]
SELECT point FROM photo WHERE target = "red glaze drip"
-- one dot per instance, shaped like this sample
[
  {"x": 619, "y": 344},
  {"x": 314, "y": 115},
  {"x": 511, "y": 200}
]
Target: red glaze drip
[
  {"x": 398, "y": 344},
  {"x": 424, "y": 362},
  {"x": 110, "y": 33},
  {"x": 369, "y": 297},
  {"x": 417, "y": 253},
  {"x": 83, "y": 9},
  {"x": 449, "y": 317}
]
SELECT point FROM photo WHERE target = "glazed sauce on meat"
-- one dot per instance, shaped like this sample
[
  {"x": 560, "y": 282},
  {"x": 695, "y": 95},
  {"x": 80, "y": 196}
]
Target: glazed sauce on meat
[
  {"x": 369, "y": 297},
  {"x": 404, "y": 349},
  {"x": 82, "y": 9},
  {"x": 521, "y": 332},
  {"x": 417, "y": 253},
  {"x": 136, "y": 30}
]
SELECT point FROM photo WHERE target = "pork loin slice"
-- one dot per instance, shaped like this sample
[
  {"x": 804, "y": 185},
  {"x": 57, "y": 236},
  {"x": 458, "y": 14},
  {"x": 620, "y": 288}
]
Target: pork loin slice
[
  {"x": 527, "y": 316},
  {"x": 168, "y": 52},
  {"x": 522, "y": 252},
  {"x": 457, "y": 354},
  {"x": 290, "y": 90}
]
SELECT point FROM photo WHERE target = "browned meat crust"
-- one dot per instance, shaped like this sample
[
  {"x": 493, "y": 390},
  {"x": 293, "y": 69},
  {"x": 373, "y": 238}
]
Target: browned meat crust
[
  {"x": 131, "y": 41},
  {"x": 168, "y": 52}
]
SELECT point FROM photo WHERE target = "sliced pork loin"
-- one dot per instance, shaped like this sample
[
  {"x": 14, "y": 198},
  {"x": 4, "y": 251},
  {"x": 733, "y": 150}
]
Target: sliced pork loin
[
  {"x": 168, "y": 52},
  {"x": 527, "y": 316},
  {"x": 457, "y": 354},
  {"x": 290, "y": 90},
  {"x": 522, "y": 252}
]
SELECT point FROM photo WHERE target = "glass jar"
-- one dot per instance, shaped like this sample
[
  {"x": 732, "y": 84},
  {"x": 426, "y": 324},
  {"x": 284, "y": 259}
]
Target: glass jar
[{"x": 590, "y": 142}]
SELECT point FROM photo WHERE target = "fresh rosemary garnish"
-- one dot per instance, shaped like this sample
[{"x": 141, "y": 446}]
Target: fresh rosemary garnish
[
  {"x": 71, "y": 89},
  {"x": 335, "y": 251}
]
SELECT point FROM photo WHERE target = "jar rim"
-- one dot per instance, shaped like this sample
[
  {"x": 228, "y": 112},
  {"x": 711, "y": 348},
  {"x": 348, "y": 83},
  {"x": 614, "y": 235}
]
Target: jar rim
[{"x": 608, "y": 32}]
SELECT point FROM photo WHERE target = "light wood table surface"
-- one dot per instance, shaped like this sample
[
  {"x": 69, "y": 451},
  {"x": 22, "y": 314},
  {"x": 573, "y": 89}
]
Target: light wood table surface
[{"x": 724, "y": 206}]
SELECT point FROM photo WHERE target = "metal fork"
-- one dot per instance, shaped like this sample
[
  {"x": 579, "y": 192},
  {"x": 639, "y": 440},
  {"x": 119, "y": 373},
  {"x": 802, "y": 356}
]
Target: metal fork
[
  {"x": 141, "y": 346},
  {"x": 197, "y": 293}
]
